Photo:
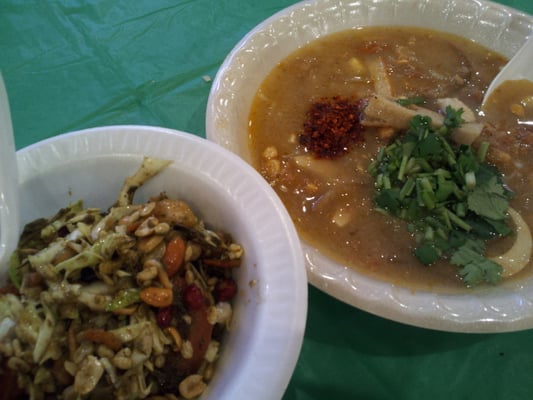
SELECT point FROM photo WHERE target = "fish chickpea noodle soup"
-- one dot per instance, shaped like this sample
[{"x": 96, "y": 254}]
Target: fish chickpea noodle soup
[
  {"x": 375, "y": 141},
  {"x": 363, "y": 121}
]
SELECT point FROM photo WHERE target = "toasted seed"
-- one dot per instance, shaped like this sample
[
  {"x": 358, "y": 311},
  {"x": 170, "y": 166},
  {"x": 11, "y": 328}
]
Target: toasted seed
[
  {"x": 219, "y": 313},
  {"x": 176, "y": 337},
  {"x": 189, "y": 277},
  {"x": 147, "y": 227},
  {"x": 122, "y": 362},
  {"x": 70, "y": 367},
  {"x": 130, "y": 219},
  {"x": 192, "y": 386},
  {"x": 193, "y": 251},
  {"x": 163, "y": 278},
  {"x": 122, "y": 359},
  {"x": 147, "y": 209},
  {"x": 162, "y": 228},
  {"x": 104, "y": 352},
  {"x": 208, "y": 372},
  {"x": 18, "y": 364},
  {"x": 148, "y": 243},
  {"x": 186, "y": 349},
  {"x": 147, "y": 274},
  {"x": 159, "y": 361},
  {"x": 17, "y": 348},
  {"x": 212, "y": 351},
  {"x": 152, "y": 262}
]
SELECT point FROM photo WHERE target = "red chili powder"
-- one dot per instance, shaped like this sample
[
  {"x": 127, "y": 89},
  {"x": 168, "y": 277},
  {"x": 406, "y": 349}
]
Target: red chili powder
[{"x": 332, "y": 126}]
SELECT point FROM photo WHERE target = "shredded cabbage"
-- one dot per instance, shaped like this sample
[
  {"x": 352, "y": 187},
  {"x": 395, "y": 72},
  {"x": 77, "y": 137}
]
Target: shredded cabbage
[{"x": 88, "y": 313}]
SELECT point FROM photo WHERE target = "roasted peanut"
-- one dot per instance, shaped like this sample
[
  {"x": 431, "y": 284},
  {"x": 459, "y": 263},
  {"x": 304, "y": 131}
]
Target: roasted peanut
[
  {"x": 174, "y": 255},
  {"x": 192, "y": 386},
  {"x": 157, "y": 297}
]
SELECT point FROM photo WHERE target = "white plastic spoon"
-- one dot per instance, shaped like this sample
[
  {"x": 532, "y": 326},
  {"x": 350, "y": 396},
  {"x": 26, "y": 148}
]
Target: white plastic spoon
[
  {"x": 519, "y": 67},
  {"x": 9, "y": 205}
]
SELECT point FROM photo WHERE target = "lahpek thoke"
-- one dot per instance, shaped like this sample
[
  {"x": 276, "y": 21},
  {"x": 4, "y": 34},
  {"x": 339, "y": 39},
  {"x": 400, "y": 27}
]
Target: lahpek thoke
[{"x": 131, "y": 302}]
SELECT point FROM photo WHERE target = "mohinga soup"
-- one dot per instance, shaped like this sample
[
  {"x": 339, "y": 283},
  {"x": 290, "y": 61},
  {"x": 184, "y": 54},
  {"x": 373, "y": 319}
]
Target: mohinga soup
[{"x": 322, "y": 118}]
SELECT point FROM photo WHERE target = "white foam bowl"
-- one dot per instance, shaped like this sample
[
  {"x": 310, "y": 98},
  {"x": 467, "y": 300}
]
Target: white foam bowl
[
  {"x": 263, "y": 345},
  {"x": 505, "y": 308}
]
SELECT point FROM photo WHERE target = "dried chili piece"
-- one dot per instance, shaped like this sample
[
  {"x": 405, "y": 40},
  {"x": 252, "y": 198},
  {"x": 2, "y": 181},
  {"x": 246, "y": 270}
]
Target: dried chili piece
[
  {"x": 225, "y": 290},
  {"x": 332, "y": 126},
  {"x": 193, "y": 296}
]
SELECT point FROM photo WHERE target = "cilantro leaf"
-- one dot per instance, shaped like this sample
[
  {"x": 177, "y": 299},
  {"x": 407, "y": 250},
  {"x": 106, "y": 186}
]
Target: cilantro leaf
[
  {"x": 452, "y": 117},
  {"x": 452, "y": 200},
  {"x": 475, "y": 267},
  {"x": 427, "y": 253},
  {"x": 475, "y": 273},
  {"x": 389, "y": 200},
  {"x": 486, "y": 228},
  {"x": 431, "y": 146},
  {"x": 467, "y": 253},
  {"x": 489, "y": 200}
]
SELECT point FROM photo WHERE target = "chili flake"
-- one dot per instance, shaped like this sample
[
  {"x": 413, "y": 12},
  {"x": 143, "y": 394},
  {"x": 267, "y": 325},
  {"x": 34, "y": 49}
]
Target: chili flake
[{"x": 332, "y": 126}]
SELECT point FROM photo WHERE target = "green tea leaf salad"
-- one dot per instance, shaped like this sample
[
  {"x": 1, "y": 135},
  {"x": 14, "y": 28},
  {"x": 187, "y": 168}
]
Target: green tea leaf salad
[
  {"x": 131, "y": 302},
  {"x": 453, "y": 201}
]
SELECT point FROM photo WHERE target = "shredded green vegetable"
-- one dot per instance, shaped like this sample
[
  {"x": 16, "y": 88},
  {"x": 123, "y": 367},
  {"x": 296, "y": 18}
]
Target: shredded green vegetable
[
  {"x": 103, "y": 304},
  {"x": 451, "y": 198}
]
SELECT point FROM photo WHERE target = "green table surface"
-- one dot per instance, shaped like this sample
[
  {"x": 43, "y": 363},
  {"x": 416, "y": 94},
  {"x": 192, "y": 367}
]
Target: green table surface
[{"x": 73, "y": 64}]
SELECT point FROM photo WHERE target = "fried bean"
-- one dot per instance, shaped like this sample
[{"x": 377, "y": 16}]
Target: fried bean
[
  {"x": 192, "y": 386},
  {"x": 157, "y": 297}
]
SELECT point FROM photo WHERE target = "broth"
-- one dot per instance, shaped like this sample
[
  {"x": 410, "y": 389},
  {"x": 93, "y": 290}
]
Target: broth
[{"x": 331, "y": 201}]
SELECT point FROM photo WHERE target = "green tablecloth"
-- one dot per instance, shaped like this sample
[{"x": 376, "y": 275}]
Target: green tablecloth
[{"x": 72, "y": 64}]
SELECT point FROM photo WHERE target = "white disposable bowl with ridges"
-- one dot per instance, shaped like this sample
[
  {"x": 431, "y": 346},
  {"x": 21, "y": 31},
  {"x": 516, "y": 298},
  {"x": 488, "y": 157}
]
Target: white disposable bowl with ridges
[
  {"x": 507, "y": 307},
  {"x": 262, "y": 348}
]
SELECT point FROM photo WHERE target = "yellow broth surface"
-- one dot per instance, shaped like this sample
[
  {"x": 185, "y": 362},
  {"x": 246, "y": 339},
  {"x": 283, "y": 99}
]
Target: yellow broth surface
[{"x": 331, "y": 201}]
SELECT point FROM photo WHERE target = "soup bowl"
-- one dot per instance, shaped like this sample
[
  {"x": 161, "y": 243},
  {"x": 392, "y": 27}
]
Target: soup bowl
[
  {"x": 261, "y": 347},
  {"x": 506, "y": 307}
]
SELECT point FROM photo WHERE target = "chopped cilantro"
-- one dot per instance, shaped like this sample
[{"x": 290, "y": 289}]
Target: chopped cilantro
[
  {"x": 452, "y": 200},
  {"x": 453, "y": 118},
  {"x": 489, "y": 199},
  {"x": 417, "y": 100}
]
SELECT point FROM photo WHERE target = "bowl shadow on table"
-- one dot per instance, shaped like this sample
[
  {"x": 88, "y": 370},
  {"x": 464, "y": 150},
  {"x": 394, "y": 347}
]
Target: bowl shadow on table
[
  {"x": 362, "y": 332},
  {"x": 351, "y": 354}
]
